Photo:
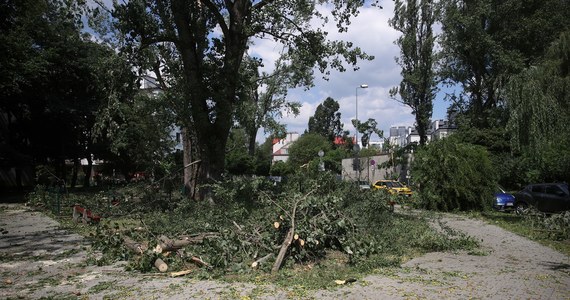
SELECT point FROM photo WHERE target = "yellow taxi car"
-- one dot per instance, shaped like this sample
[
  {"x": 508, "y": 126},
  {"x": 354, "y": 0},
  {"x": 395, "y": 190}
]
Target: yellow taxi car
[{"x": 393, "y": 187}]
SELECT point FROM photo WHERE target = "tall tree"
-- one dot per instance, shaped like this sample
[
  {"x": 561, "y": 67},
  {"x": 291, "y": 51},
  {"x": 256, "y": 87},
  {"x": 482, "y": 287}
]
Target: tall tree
[
  {"x": 539, "y": 102},
  {"x": 415, "y": 20},
  {"x": 53, "y": 81},
  {"x": 265, "y": 99},
  {"x": 367, "y": 129},
  {"x": 210, "y": 39},
  {"x": 326, "y": 121},
  {"x": 484, "y": 42}
]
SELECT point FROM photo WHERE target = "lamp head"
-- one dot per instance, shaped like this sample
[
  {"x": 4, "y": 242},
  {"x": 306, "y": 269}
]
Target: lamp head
[{"x": 364, "y": 86}]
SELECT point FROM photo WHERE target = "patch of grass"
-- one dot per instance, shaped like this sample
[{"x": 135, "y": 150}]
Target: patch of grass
[
  {"x": 524, "y": 226},
  {"x": 102, "y": 286}
]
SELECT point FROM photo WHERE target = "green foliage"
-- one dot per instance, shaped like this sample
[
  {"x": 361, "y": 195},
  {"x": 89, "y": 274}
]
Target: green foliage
[
  {"x": 454, "y": 176},
  {"x": 208, "y": 70},
  {"x": 330, "y": 217},
  {"x": 367, "y": 129},
  {"x": 281, "y": 168},
  {"x": 326, "y": 121},
  {"x": 539, "y": 101},
  {"x": 306, "y": 149},
  {"x": 415, "y": 20},
  {"x": 484, "y": 42},
  {"x": 54, "y": 80}
]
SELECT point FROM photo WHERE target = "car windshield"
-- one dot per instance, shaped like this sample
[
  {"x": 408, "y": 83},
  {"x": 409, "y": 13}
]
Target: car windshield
[{"x": 396, "y": 184}]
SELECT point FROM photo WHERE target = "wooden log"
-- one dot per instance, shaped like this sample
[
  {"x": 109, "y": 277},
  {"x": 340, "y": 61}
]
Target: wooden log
[
  {"x": 286, "y": 243},
  {"x": 258, "y": 262},
  {"x": 134, "y": 246},
  {"x": 160, "y": 265},
  {"x": 199, "y": 262},
  {"x": 166, "y": 244},
  {"x": 180, "y": 273}
]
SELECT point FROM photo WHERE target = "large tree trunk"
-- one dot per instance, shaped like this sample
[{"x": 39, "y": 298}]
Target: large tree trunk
[
  {"x": 190, "y": 170},
  {"x": 211, "y": 125}
]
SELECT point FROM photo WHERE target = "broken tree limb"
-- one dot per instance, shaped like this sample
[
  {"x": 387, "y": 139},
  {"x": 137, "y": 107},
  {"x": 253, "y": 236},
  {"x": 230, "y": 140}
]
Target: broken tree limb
[
  {"x": 258, "y": 262},
  {"x": 199, "y": 262},
  {"x": 283, "y": 251},
  {"x": 289, "y": 237},
  {"x": 180, "y": 273},
  {"x": 166, "y": 244},
  {"x": 134, "y": 246},
  {"x": 160, "y": 265}
]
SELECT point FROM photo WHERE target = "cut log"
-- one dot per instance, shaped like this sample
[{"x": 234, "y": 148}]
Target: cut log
[
  {"x": 296, "y": 237},
  {"x": 161, "y": 265},
  {"x": 135, "y": 246},
  {"x": 258, "y": 262},
  {"x": 276, "y": 225},
  {"x": 166, "y": 244}
]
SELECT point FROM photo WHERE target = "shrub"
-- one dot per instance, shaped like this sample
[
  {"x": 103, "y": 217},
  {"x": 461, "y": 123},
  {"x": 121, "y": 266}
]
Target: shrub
[{"x": 454, "y": 176}]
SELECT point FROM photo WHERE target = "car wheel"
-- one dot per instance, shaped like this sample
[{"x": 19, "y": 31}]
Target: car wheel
[{"x": 521, "y": 208}]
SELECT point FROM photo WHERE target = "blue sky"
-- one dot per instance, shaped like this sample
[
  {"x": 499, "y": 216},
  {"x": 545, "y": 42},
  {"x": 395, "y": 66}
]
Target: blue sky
[{"x": 371, "y": 32}]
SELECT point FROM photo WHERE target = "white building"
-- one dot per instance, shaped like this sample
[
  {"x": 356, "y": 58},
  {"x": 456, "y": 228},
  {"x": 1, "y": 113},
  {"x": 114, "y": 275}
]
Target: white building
[
  {"x": 281, "y": 147},
  {"x": 402, "y": 136}
]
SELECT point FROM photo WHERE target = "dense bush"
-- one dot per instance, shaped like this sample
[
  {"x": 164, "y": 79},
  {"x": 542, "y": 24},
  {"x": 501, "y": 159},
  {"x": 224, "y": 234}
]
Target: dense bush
[{"x": 454, "y": 176}]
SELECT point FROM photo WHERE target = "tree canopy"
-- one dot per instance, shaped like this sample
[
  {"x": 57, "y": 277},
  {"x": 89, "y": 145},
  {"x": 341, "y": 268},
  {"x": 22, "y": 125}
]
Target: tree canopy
[
  {"x": 209, "y": 39},
  {"x": 415, "y": 20},
  {"x": 326, "y": 120},
  {"x": 53, "y": 82}
]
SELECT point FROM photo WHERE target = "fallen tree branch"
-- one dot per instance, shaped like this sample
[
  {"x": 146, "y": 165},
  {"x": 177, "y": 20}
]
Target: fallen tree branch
[
  {"x": 200, "y": 262},
  {"x": 166, "y": 244},
  {"x": 289, "y": 237},
  {"x": 134, "y": 246},
  {"x": 180, "y": 273},
  {"x": 258, "y": 262}
]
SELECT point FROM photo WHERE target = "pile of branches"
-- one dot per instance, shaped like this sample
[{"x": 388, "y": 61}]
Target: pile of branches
[{"x": 254, "y": 225}]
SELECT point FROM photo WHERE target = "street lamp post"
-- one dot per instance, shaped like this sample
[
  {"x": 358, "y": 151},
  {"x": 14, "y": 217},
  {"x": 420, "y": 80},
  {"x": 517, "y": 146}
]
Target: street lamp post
[{"x": 362, "y": 86}]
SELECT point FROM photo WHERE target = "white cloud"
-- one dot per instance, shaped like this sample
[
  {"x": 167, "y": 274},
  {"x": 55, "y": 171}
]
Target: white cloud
[{"x": 369, "y": 31}]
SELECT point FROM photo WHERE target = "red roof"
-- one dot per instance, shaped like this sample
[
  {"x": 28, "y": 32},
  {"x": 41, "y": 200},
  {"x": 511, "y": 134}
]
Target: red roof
[{"x": 339, "y": 140}]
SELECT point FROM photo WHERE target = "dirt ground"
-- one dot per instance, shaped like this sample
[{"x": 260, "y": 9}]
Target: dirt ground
[{"x": 39, "y": 260}]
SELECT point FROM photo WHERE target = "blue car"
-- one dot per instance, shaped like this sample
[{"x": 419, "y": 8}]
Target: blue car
[{"x": 503, "y": 200}]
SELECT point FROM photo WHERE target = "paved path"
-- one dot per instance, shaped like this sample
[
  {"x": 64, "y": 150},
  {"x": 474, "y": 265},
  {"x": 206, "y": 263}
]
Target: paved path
[{"x": 37, "y": 259}]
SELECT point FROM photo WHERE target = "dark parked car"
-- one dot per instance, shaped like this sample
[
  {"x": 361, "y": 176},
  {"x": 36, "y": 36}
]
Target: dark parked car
[
  {"x": 546, "y": 197},
  {"x": 503, "y": 200}
]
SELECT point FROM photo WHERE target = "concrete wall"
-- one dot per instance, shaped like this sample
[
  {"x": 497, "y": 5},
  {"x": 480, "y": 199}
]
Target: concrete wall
[{"x": 368, "y": 172}]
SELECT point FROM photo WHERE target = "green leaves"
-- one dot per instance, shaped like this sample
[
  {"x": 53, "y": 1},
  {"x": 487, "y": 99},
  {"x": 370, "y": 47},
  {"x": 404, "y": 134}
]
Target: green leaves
[
  {"x": 415, "y": 20},
  {"x": 454, "y": 176}
]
